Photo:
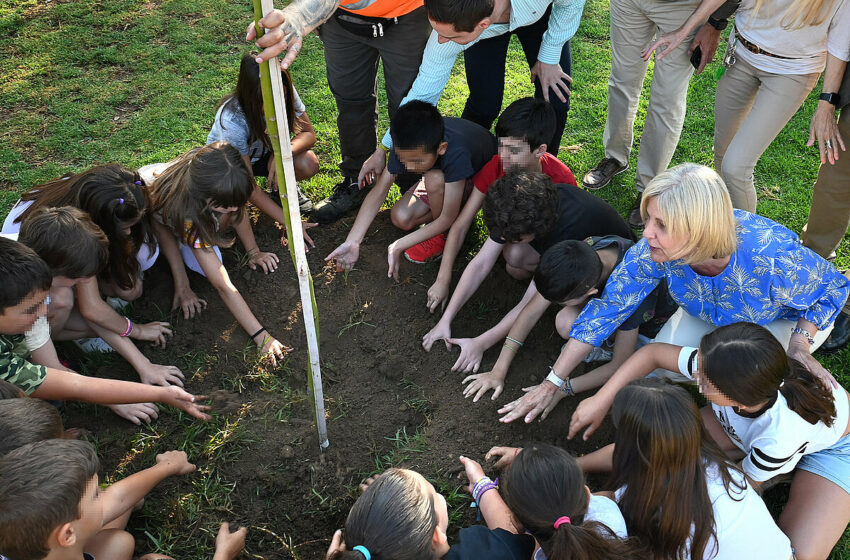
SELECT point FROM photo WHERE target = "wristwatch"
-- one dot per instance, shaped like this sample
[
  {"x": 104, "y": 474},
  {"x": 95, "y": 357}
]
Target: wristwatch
[
  {"x": 833, "y": 98},
  {"x": 718, "y": 24},
  {"x": 554, "y": 379}
]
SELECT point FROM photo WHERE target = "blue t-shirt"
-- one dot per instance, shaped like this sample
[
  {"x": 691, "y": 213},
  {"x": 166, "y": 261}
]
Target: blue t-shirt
[
  {"x": 230, "y": 125},
  {"x": 478, "y": 542},
  {"x": 470, "y": 147}
]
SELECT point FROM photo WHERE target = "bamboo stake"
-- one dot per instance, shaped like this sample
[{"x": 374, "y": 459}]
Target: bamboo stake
[{"x": 278, "y": 128}]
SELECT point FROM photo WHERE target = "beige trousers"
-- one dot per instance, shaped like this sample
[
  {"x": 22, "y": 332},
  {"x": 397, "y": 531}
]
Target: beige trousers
[
  {"x": 634, "y": 23},
  {"x": 751, "y": 108}
]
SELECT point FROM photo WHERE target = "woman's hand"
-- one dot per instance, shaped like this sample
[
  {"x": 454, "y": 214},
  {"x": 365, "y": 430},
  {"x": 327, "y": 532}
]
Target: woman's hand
[
  {"x": 824, "y": 129},
  {"x": 800, "y": 352},
  {"x": 266, "y": 261},
  {"x": 188, "y": 302},
  {"x": 155, "y": 332},
  {"x": 504, "y": 456},
  {"x": 483, "y": 382},
  {"x": 535, "y": 402},
  {"x": 669, "y": 41}
]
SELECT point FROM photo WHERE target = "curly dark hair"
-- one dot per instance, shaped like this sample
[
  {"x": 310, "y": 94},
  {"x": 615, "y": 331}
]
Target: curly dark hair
[{"x": 520, "y": 204}]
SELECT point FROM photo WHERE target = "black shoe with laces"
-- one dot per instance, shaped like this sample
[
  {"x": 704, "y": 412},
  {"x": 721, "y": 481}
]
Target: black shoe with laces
[
  {"x": 839, "y": 336},
  {"x": 346, "y": 196}
]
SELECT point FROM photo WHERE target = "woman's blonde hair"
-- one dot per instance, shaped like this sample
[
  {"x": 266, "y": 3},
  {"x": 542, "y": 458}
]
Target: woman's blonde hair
[
  {"x": 693, "y": 202},
  {"x": 802, "y": 13}
]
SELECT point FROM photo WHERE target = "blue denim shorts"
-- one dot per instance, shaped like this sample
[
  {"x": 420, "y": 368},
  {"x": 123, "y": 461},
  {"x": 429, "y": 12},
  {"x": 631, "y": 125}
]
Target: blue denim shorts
[{"x": 833, "y": 463}]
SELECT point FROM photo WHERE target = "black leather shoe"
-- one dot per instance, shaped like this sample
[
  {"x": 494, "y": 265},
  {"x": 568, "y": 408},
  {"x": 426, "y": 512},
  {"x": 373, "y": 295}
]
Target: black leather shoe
[
  {"x": 602, "y": 174},
  {"x": 839, "y": 336},
  {"x": 635, "y": 219},
  {"x": 346, "y": 196}
]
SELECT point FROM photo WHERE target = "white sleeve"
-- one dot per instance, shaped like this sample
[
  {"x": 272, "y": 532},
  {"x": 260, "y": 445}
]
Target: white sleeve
[
  {"x": 297, "y": 105},
  {"x": 38, "y": 335},
  {"x": 769, "y": 457},
  {"x": 688, "y": 361}
]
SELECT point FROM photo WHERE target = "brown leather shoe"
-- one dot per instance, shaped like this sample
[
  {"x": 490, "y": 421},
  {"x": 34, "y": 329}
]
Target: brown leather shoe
[
  {"x": 635, "y": 219},
  {"x": 602, "y": 174}
]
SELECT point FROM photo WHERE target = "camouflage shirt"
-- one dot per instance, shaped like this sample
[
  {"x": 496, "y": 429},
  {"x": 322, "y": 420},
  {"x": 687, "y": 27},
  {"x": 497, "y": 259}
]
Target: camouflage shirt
[{"x": 15, "y": 366}]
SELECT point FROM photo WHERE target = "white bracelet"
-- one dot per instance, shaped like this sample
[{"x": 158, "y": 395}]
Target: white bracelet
[{"x": 554, "y": 379}]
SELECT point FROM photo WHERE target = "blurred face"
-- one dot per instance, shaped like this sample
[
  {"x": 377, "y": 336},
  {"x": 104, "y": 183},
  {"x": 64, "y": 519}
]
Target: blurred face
[
  {"x": 446, "y": 32},
  {"x": 91, "y": 512},
  {"x": 663, "y": 246},
  {"x": 418, "y": 160},
  {"x": 708, "y": 390},
  {"x": 21, "y": 317},
  {"x": 515, "y": 154}
]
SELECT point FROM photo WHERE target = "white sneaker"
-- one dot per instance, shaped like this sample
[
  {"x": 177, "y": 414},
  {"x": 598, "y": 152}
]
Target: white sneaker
[
  {"x": 117, "y": 303},
  {"x": 93, "y": 345},
  {"x": 599, "y": 354}
]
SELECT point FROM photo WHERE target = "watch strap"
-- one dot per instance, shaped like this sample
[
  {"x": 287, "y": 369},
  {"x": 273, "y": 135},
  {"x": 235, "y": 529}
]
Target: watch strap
[
  {"x": 554, "y": 379},
  {"x": 832, "y": 98}
]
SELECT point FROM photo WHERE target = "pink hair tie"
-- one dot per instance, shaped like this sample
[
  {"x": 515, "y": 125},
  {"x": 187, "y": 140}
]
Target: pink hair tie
[{"x": 560, "y": 521}]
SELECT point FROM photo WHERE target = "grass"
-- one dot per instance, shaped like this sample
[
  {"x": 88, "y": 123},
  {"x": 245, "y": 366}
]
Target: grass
[{"x": 85, "y": 82}]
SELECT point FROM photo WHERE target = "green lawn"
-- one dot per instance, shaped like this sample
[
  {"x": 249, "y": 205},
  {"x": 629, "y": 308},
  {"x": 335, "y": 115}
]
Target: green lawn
[{"x": 87, "y": 81}]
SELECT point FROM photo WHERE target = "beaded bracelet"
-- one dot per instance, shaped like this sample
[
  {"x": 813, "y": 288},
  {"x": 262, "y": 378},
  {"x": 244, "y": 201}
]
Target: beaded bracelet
[
  {"x": 568, "y": 388},
  {"x": 129, "y": 328}
]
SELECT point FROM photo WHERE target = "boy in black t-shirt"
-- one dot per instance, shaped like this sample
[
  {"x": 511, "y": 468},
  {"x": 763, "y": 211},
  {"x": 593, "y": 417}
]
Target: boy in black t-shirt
[
  {"x": 525, "y": 214},
  {"x": 448, "y": 152}
]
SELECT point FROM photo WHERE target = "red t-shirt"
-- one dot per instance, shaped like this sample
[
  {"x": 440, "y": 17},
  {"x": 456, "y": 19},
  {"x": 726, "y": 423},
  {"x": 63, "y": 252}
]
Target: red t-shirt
[{"x": 550, "y": 165}]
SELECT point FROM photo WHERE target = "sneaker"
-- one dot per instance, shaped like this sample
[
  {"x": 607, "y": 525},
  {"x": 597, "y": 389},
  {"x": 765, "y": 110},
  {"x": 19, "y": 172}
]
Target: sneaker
[
  {"x": 304, "y": 203},
  {"x": 839, "y": 336},
  {"x": 635, "y": 219},
  {"x": 599, "y": 354},
  {"x": 117, "y": 303},
  {"x": 602, "y": 174},
  {"x": 93, "y": 345},
  {"x": 346, "y": 196},
  {"x": 427, "y": 250}
]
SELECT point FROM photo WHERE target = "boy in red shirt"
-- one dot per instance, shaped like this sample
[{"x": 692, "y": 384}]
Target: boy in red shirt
[{"x": 523, "y": 130}]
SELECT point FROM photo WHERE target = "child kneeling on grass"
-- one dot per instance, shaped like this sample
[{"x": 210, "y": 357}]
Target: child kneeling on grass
[
  {"x": 75, "y": 249},
  {"x": 448, "y": 152},
  {"x": 200, "y": 195},
  {"x": 766, "y": 410},
  {"x": 526, "y": 215},
  {"x": 52, "y": 508},
  {"x": 401, "y": 516},
  {"x": 523, "y": 130},
  {"x": 570, "y": 273},
  {"x": 24, "y": 283}
]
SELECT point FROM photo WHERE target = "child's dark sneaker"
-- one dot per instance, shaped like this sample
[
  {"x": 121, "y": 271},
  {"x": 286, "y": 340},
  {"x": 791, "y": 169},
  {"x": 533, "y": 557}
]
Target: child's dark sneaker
[{"x": 427, "y": 250}]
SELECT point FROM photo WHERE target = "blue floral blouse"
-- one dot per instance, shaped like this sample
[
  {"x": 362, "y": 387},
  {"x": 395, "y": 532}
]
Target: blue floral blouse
[{"x": 770, "y": 276}]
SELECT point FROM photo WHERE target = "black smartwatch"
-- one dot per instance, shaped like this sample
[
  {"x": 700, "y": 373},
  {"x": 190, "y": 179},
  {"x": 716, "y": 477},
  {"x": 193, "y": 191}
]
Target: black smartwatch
[
  {"x": 833, "y": 98},
  {"x": 718, "y": 24}
]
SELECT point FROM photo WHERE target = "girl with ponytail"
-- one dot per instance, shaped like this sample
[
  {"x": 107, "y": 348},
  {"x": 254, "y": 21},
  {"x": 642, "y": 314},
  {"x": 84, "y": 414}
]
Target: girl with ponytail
[
  {"x": 545, "y": 491},
  {"x": 766, "y": 410}
]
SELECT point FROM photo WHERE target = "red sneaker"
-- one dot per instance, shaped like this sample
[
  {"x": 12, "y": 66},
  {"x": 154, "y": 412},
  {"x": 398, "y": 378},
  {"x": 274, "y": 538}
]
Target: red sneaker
[{"x": 427, "y": 250}]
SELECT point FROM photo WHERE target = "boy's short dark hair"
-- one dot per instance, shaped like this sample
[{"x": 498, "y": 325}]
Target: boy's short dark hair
[
  {"x": 528, "y": 118},
  {"x": 22, "y": 272},
  {"x": 24, "y": 421},
  {"x": 10, "y": 391},
  {"x": 464, "y": 15},
  {"x": 417, "y": 124},
  {"x": 567, "y": 270},
  {"x": 41, "y": 487},
  {"x": 68, "y": 241},
  {"x": 519, "y": 204}
]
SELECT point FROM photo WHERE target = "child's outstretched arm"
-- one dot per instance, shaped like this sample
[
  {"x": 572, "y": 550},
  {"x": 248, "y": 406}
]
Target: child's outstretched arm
[
  {"x": 348, "y": 253},
  {"x": 149, "y": 372},
  {"x": 124, "y": 494},
  {"x": 218, "y": 277},
  {"x": 592, "y": 410},
  {"x": 267, "y": 261},
  {"x": 492, "y": 506},
  {"x": 438, "y": 293},
  {"x": 184, "y": 297},
  {"x": 267, "y": 206},
  {"x": 64, "y": 385},
  {"x": 97, "y": 312},
  {"x": 477, "y": 269},
  {"x": 521, "y": 325}
]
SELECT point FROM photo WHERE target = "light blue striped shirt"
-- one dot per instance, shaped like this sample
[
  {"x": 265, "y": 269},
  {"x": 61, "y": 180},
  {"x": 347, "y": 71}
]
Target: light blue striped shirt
[{"x": 439, "y": 59}]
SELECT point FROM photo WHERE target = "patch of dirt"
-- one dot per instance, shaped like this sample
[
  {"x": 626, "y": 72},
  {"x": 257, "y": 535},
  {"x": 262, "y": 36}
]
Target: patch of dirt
[{"x": 379, "y": 384}]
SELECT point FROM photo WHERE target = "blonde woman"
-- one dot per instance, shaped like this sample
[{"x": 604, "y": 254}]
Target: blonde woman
[
  {"x": 780, "y": 48},
  {"x": 721, "y": 265}
]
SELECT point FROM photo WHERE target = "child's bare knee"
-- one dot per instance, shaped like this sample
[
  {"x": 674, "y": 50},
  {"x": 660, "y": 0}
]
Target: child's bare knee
[
  {"x": 61, "y": 300},
  {"x": 306, "y": 166},
  {"x": 517, "y": 272},
  {"x": 401, "y": 219}
]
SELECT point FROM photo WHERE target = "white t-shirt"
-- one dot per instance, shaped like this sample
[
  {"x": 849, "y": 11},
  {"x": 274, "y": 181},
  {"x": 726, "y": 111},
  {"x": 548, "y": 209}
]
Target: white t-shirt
[
  {"x": 778, "y": 437},
  {"x": 604, "y": 510},
  {"x": 805, "y": 47},
  {"x": 744, "y": 527}
]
